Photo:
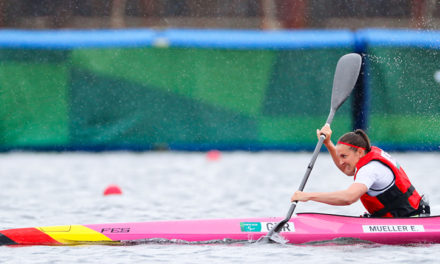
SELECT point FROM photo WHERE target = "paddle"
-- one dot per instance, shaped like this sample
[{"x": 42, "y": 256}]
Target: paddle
[{"x": 346, "y": 74}]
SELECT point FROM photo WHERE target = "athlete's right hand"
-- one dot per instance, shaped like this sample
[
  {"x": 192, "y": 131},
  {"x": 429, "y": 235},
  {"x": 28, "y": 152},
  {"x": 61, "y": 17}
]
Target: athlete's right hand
[{"x": 325, "y": 130}]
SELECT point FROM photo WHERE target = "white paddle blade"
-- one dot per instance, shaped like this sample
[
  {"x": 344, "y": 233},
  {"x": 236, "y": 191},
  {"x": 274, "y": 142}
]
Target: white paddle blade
[{"x": 346, "y": 74}]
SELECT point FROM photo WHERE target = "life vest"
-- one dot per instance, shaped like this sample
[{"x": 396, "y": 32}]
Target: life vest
[{"x": 400, "y": 200}]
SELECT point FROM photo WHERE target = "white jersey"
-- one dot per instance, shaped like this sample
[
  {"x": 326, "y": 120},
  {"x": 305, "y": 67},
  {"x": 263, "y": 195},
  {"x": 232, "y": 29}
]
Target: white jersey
[{"x": 376, "y": 176}]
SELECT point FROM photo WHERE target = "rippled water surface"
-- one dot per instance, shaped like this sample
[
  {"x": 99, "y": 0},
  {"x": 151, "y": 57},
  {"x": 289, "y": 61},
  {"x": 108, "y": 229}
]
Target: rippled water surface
[{"x": 40, "y": 189}]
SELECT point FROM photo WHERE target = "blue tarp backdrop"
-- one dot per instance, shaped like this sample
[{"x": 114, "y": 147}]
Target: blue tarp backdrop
[{"x": 185, "y": 89}]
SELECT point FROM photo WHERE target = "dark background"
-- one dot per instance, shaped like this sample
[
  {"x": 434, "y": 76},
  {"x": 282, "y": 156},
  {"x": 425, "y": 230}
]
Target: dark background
[{"x": 245, "y": 14}]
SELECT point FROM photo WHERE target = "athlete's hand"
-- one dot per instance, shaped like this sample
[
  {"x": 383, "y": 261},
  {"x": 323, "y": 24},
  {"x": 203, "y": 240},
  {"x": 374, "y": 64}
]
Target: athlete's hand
[
  {"x": 299, "y": 196},
  {"x": 325, "y": 130}
]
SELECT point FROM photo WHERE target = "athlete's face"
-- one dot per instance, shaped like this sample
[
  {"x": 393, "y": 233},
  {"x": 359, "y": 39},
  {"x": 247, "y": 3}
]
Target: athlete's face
[{"x": 348, "y": 158}]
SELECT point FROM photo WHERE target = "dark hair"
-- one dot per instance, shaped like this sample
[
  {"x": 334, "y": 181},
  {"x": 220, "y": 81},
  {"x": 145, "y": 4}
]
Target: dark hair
[{"x": 357, "y": 138}]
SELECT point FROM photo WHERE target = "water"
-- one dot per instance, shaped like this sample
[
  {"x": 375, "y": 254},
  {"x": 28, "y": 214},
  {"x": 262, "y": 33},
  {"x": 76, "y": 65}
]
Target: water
[{"x": 39, "y": 189}]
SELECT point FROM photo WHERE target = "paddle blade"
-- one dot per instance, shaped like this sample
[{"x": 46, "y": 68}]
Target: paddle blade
[
  {"x": 346, "y": 74},
  {"x": 274, "y": 238}
]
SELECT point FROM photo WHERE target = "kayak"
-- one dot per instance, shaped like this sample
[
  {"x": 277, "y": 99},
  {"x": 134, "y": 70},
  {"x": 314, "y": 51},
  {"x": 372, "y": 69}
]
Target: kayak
[{"x": 302, "y": 228}]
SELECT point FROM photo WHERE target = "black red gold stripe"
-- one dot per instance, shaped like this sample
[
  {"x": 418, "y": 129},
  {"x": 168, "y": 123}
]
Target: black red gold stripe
[{"x": 4, "y": 240}]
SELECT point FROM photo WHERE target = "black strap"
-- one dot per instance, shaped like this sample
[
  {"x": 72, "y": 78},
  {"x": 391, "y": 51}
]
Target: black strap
[
  {"x": 395, "y": 202},
  {"x": 424, "y": 209}
]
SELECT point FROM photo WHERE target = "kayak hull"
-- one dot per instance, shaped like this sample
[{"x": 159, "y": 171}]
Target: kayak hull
[{"x": 302, "y": 228}]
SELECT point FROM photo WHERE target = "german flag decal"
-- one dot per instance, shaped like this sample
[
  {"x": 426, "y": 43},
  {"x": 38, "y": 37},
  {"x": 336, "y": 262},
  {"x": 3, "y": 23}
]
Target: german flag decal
[
  {"x": 53, "y": 235},
  {"x": 26, "y": 236}
]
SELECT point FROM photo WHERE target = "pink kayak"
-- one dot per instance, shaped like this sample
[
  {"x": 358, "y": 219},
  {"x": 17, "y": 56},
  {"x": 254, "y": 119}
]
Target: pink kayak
[{"x": 302, "y": 228}]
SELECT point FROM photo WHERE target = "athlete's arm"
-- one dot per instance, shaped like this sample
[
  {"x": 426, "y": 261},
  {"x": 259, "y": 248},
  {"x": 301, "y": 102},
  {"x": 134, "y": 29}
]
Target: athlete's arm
[
  {"x": 326, "y": 130},
  {"x": 344, "y": 197}
]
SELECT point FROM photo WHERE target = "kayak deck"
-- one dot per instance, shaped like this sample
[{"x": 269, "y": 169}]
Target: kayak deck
[{"x": 302, "y": 228}]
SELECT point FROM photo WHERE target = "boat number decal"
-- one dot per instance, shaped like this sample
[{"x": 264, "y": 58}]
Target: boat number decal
[
  {"x": 115, "y": 230},
  {"x": 392, "y": 228},
  {"x": 264, "y": 226}
]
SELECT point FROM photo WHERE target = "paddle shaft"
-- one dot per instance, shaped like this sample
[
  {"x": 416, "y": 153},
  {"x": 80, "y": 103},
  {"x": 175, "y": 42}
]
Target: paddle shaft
[
  {"x": 346, "y": 74},
  {"x": 280, "y": 225}
]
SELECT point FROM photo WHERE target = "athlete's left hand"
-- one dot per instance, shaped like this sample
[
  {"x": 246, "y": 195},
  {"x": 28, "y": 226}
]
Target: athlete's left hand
[{"x": 299, "y": 196}]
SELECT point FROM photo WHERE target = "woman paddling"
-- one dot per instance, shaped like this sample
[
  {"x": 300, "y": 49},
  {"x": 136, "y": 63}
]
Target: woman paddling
[{"x": 379, "y": 181}]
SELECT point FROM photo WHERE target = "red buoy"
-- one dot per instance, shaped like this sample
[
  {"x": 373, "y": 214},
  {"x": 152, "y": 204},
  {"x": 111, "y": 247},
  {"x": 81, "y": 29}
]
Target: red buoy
[
  {"x": 112, "y": 189},
  {"x": 213, "y": 155}
]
